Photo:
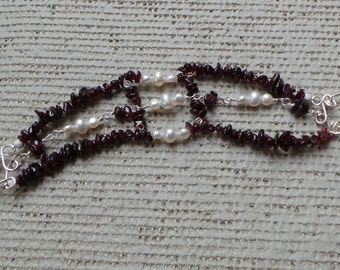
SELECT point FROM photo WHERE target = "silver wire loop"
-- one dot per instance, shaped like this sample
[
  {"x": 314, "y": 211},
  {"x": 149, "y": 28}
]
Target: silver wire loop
[
  {"x": 13, "y": 164},
  {"x": 227, "y": 100},
  {"x": 8, "y": 182},
  {"x": 10, "y": 162},
  {"x": 320, "y": 111},
  {"x": 53, "y": 135},
  {"x": 127, "y": 83},
  {"x": 320, "y": 114},
  {"x": 196, "y": 97},
  {"x": 106, "y": 116},
  {"x": 285, "y": 102},
  {"x": 334, "y": 127}
]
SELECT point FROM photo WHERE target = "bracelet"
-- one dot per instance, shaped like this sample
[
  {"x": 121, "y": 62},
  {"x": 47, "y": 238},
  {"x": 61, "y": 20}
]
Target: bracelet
[{"x": 30, "y": 142}]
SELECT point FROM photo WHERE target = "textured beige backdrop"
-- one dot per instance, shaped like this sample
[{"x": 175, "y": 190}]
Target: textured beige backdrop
[{"x": 206, "y": 204}]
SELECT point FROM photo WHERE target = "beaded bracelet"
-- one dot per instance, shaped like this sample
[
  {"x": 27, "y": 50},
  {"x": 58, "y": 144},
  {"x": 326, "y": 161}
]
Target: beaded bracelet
[{"x": 30, "y": 142}]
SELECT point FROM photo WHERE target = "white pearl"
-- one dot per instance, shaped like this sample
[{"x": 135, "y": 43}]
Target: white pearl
[
  {"x": 170, "y": 136},
  {"x": 18, "y": 144},
  {"x": 242, "y": 100},
  {"x": 157, "y": 135},
  {"x": 267, "y": 99},
  {"x": 155, "y": 104},
  {"x": 254, "y": 99},
  {"x": 179, "y": 99},
  {"x": 159, "y": 79},
  {"x": 81, "y": 126},
  {"x": 93, "y": 122},
  {"x": 146, "y": 79},
  {"x": 183, "y": 134},
  {"x": 69, "y": 129},
  {"x": 166, "y": 102},
  {"x": 170, "y": 78}
]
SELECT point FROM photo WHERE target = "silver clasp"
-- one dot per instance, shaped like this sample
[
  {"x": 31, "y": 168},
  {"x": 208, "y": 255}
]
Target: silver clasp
[
  {"x": 10, "y": 163},
  {"x": 320, "y": 111}
]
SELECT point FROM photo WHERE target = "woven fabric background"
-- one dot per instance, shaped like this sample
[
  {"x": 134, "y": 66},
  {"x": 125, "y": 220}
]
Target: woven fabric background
[{"x": 204, "y": 204}]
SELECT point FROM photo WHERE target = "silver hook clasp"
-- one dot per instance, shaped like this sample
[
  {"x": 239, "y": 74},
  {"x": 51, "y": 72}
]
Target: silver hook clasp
[
  {"x": 13, "y": 164},
  {"x": 321, "y": 105},
  {"x": 9, "y": 165}
]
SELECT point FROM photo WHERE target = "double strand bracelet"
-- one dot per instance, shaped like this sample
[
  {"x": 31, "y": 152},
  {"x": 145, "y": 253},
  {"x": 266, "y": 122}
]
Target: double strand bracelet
[{"x": 30, "y": 142}]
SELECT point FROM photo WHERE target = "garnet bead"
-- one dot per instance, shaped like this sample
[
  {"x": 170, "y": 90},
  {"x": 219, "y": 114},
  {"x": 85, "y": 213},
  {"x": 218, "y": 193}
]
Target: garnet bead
[
  {"x": 75, "y": 100},
  {"x": 218, "y": 72},
  {"x": 106, "y": 140},
  {"x": 198, "y": 108},
  {"x": 288, "y": 91},
  {"x": 192, "y": 89},
  {"x": 134, "y": 96},
  {"x": 227, "y": 71},
  {"x": 36, "y": 147},
  {"x": 301, "y": 107},
  {"x": 208, "y": 70},
  {"x": 25, "y": 136},
  {"x": 236, "y": 74},
  {"x": 54, "y": 113},
  {"x": 98, "y": 141},
  {"x": 41, "y": 115},
  {"x": 67, "y": 107},
  {"x": 69, "y": 152},
  {"x": 119, "y": 114},
  {"x": 274, "y": 81},
  {"x": 285, "y": 141},
  {"x": 263, "y": 82},
  {"x": 127, "y": 113},
  {"x": 55, "y": 161},
  {"x": 32, "y": 173},
  {"x": 210, "y": 99},
  {"x": 138, "y": 115},
  {"x": 34, "y": 128},
  {"x": 299, "y": 94},
  {"x": 251, "y": 137}
]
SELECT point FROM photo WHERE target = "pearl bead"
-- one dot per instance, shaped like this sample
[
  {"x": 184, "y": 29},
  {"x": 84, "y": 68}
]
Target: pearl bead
[
  {"x": 81, "y": 126},
  {"x": 93, "y": 122},
  {"x": 18, "y": 144},
  {"x": 179, "y": 99},
  {"x": 159, "y": 79},
  {"x": 146, "y": 79},
  {"x": 170, "y": 136},
  {"x": 157, "y": 135},
  {"x": 267, "y": 99},
  {"x": 254, "y": 99},
  {"x": 155, "y": 104},
  {"x": 242, "y": 100},
  {"x": 170, "y": 78},
  {"x": 183, "y": 134},
  {"x": 166, "y": 102},
  {"x": 69, "y": 129}
]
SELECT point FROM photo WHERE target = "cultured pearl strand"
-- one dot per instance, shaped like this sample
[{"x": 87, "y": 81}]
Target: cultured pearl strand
[
  {"x": 255, "y": 99},
  {"x": 166, "y": 102},
  {"x": 159, "y": 79},
  {"x": 81, "y": 126},
  {"x": 171, "y": 136}
]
